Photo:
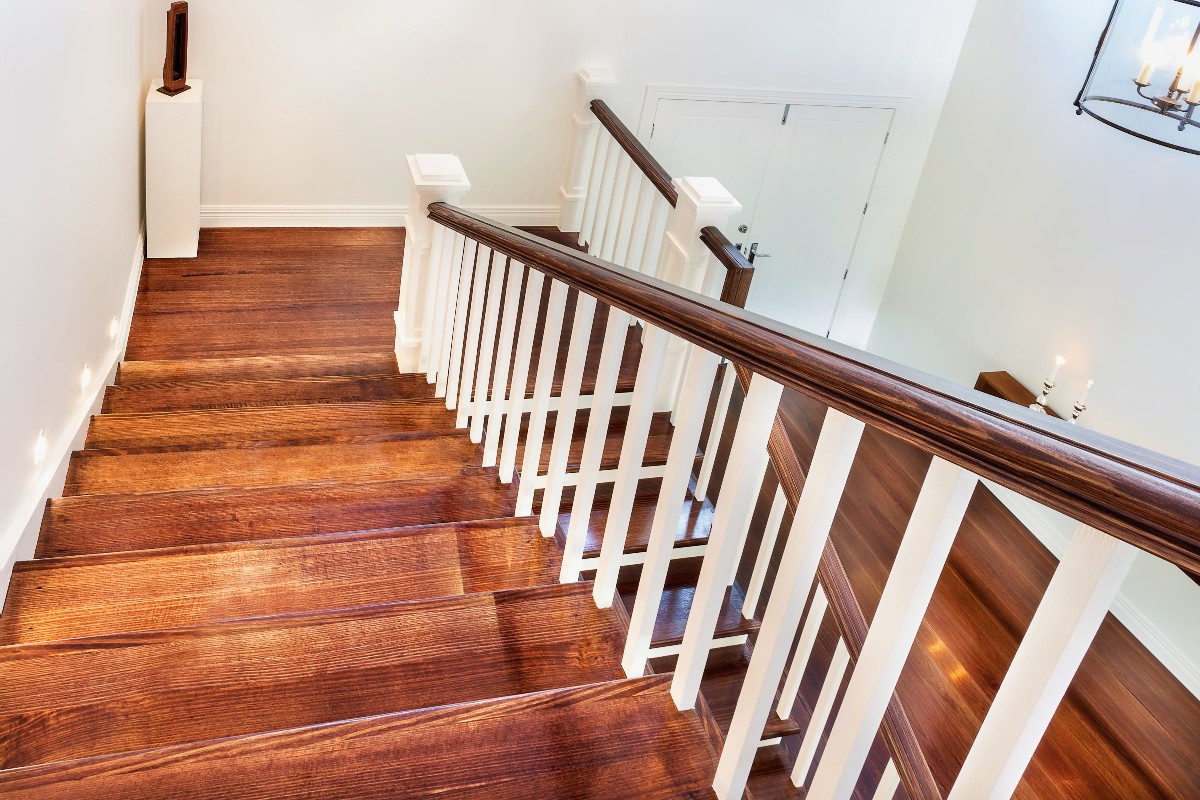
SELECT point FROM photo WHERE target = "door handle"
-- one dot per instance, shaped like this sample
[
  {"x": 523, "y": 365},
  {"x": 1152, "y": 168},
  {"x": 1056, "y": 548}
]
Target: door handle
[{"x": 754, "y": 254}]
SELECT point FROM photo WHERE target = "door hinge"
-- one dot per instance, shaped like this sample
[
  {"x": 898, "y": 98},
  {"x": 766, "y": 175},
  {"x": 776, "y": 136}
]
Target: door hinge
[
  {"x": 653, "y": 125},
  {"x": 787, "y": 108},
  {"x": 887, "y": 136},
  {"x": 846, "y": 274},
  {"x": 865, "y": 206}
]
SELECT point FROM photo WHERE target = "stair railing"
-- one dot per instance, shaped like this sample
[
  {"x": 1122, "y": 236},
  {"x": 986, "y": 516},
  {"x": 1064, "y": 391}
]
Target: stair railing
[{"x": 1124, "y": 497}]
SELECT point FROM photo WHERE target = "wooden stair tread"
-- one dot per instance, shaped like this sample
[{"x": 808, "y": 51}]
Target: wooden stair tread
[
  {"x": 77, "y": 596},
  {"x": 328, "y": 327},
  {"x": 695, "y": 522},
  {"x": 622, "y": 739},
  {"x": 658, "y": 443},
  {"x": 724, "y": 675},
  {"x": 130, "y": 373},
  {"x": 111, "y": 523},
  {"x": 198, "y": 394},
  {"x": 366, "y": 459},
  {"x": 771, "y": 776},
  {"x": 168, "y": 687},
  {"x": 675, "y": 606},
  {"x": 281, "y": 424}
]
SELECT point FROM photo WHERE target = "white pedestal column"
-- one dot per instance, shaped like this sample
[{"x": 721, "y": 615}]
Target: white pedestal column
[
  {"x": 594, "y": 84},
  {"x": 173, "y": 172},
  {"x": 435, "y": 178},
  {"x": 684, "y": 259}
]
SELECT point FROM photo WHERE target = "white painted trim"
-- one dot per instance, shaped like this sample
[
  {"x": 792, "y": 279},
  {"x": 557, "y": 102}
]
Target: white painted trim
[
  {"x": 657, "y": 92},
  {"x": 352, "y": 216},
  {"x": 21, "y": 536},
  {"x": 1037, "y": 520}
]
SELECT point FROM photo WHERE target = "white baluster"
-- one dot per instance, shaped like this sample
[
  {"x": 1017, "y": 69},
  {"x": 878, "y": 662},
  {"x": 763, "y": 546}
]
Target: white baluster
[
  {"x": 633, "y": 449},
  {"x": 804, "y": 648},
  {"x": 889, "y": 782},
  {"x": 462, "y": 311},
  {"x": 647, "y": 198},
  {"x": 697, "y": 378},
  {"x": 770, "y": 533},
  {"x": 530, "y": 309},
  {"x": 604, "y": 201},
  {"x": 632, "y": 235},
  {"x": 446, "y": 333},
  {"x": 487, "y": 346},
  {"x": 811, "y": 523},
  {"x": 720, "y": 413},
  {"x": 542, "y": 387},
  {"x": 501, "y": 372},
  {"x": 820, "y": 717},
  {"x": 591, "y": 209},
  {"x": 568, "y": 407},
  {"x": 483, "y": 258},
  {"x": 593, "y": 84},
  {"x": 438, "y": 268},
  {"x": 615, "y": 331},
  {"x": 655, "y": 228},
  {"x": 725, "y": 538},
  {"x": 923, "y": 551},
  {"x": 435, "y": 178},
  {"x": 616, "y": 211},
  {"x": 1075, "y": 603}
]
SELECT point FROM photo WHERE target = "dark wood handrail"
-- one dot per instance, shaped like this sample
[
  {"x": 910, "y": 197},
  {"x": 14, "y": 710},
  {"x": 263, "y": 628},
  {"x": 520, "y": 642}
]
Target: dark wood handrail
[
  {"x": 647, "y": 163},
  {"x": 1144, "y": 498},
  {"x": 738, "y": 270}
]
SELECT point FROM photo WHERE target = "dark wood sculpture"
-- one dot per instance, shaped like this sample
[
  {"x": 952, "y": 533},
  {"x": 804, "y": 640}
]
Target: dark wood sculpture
[{"x": 175, "y": 66}]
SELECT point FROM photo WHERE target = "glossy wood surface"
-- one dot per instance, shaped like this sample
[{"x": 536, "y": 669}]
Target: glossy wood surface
[
  {"x": 1147, "y": 499},
  {"x": 263, "y": 425},
  {"x": 226, "y": 679},
  {"x": 585, "y": 743},
  {"x": 637, "y": 151},
  {"x": 268, "y": 532},
  {"x": 200, "y": 394},
  {"x": 739, "y": 272},
  {"x": 76, "y": 596}
]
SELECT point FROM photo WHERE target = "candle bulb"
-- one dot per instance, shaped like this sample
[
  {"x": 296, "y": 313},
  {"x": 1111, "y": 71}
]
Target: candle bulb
[
  {"x": 1086, "y": 390},
  {"x": 1194, "y": 95},
  {"x": 1143, "y": 77},
  {"x": 1058, "y": 362}
]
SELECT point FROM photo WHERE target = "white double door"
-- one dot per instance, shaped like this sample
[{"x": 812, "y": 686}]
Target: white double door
[{"x": 803, "y": 174}]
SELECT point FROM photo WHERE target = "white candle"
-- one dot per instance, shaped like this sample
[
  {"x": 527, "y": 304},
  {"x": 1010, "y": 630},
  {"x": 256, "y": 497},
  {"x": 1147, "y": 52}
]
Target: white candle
[
  {"x": 1083, "y": 396},
  {"x": 1058, "y": 362},
  {"x": 1194, "y": 95},
  {"x": 1143, "y": 77}
]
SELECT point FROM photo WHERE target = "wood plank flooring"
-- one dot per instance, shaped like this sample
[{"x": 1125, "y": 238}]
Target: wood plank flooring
[{"x": 279, "y": 570}]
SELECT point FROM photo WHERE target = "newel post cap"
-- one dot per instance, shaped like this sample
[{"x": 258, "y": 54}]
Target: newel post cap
[{"x": 438, "y": 170}]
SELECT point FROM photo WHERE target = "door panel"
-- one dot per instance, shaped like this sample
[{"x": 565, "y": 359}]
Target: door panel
[
  {"x": 810, "y": 209},
  {"x": 727, "y": 141}
]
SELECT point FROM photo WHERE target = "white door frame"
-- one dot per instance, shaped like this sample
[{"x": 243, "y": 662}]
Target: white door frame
[{"x": 879, "y": 236}]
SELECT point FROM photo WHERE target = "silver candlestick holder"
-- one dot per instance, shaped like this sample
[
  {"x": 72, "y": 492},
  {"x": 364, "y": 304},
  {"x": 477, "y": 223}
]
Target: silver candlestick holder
[
  {"x": 1040, "y": 403},
  {"x": 1079, "y": 409}
]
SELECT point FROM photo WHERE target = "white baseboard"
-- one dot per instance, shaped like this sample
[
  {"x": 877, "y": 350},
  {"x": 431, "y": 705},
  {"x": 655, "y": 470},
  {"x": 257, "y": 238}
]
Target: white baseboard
[
  {"x": 232, "y": 216},
  {"x": 1124, "y": 608},
  {"x": 20, "y": 539}
]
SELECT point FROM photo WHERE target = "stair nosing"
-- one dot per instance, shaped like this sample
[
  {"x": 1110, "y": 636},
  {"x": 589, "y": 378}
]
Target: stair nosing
[
  {"x": 315, "y": 616},
  {"x": 124, "y": 556},
  {"x": 261, "y": 444}
]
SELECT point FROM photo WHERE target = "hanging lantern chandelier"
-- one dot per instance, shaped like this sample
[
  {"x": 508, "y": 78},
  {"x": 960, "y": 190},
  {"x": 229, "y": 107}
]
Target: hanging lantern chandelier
[{"x": 1145, "y": 75}]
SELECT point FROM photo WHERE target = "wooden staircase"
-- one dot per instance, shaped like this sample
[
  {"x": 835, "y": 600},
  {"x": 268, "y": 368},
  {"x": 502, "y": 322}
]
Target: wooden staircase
[{"x": 277, "y": 571}]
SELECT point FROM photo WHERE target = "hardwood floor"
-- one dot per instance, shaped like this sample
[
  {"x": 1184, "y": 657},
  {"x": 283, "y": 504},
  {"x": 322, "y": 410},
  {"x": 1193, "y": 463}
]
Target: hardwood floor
[{"x": 278, "y": 570}]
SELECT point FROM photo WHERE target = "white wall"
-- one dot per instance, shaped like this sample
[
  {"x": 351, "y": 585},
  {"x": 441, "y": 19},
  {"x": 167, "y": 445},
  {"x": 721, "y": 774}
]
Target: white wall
[
  {"x": 71, "y": 75},
  {"x": 1036, "y": 232},
  {"x": 315, "y": 103}
]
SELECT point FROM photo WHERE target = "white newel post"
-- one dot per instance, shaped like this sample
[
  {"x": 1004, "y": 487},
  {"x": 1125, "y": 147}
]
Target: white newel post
[
  {"x": 594, "y": 84},
  {"x": 684, "y": 259},
  {"x": 434, "y": 178}
]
